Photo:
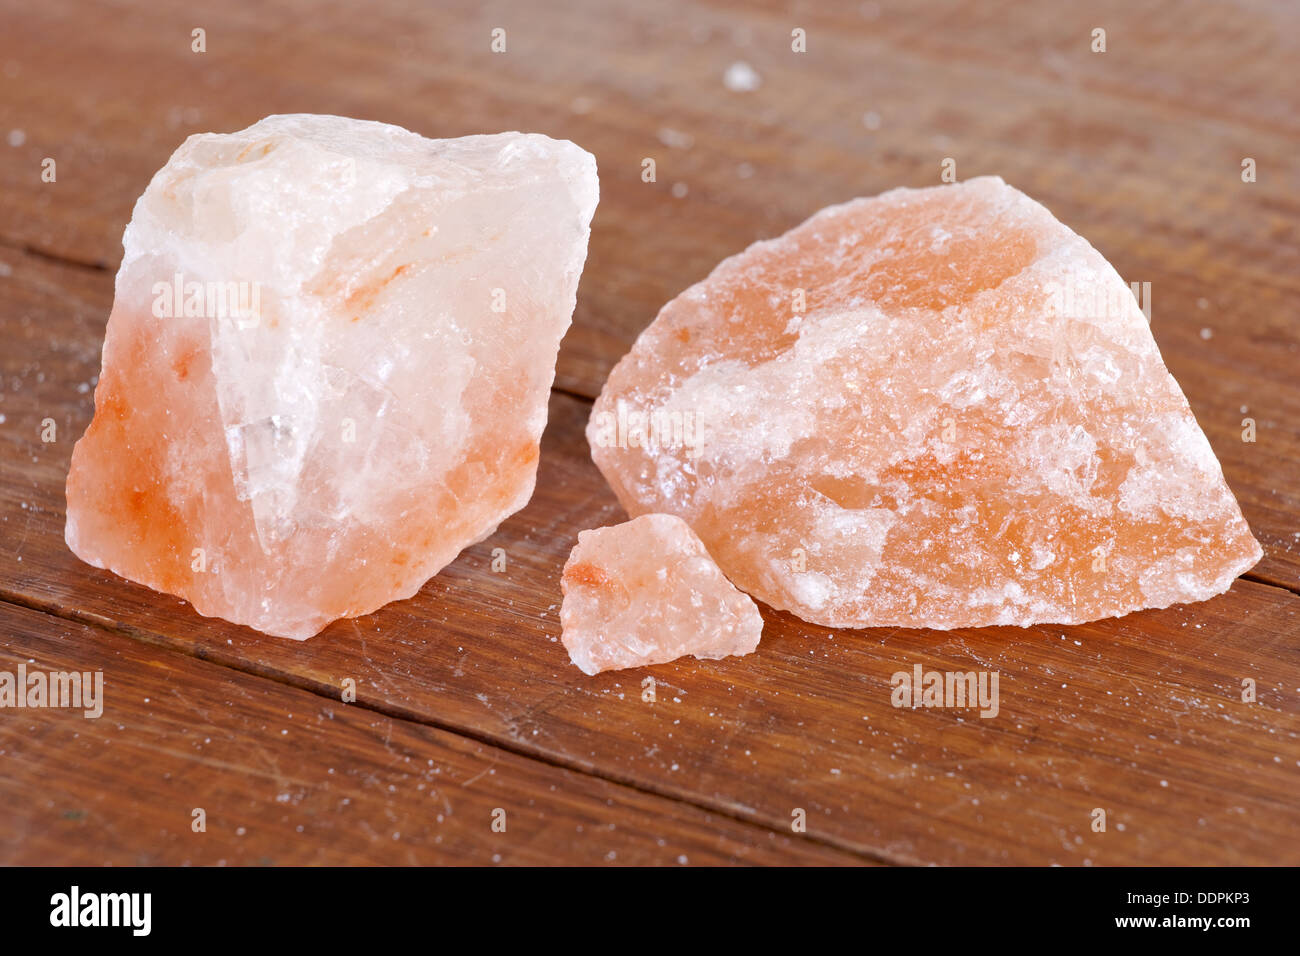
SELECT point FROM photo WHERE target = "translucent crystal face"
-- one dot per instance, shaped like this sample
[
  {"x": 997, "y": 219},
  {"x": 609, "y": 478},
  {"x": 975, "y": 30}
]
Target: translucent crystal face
[
  {"x": 647, "y": 592},
  {"x": 933, "y": 408},
  {"x": 328, "y": 362}
]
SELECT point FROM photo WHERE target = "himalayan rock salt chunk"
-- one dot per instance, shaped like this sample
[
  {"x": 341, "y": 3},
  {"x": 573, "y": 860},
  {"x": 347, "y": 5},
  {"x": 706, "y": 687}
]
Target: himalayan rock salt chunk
[
  {"x": 647, "y": 592},
  {"x": 933, "y": 408},
  {"x": 328, "y": 361}
]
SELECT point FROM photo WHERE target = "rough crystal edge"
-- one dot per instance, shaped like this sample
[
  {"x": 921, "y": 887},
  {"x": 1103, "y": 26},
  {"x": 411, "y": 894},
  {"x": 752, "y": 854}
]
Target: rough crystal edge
[
  {"x": 634, "y": 508},
  {"x": 585, "y": 201},
  {"x": 747, "y": 608}
]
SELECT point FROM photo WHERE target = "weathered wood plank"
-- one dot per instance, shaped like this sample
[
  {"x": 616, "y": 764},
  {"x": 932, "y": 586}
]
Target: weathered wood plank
[
  {"x": 284, "y": 776},
  {"x": 1138, "y": 149},
  {"x": 1091, "y": 716}
]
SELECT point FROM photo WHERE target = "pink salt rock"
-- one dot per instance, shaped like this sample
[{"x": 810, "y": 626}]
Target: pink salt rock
[
  {"x": 647, "y": 592},
  {"x": 328, "y": 362},
  {"x": 933, "y": 408}
]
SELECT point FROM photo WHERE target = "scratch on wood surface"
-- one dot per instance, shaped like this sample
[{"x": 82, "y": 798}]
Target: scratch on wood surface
[{"x": 472, "y": 780}]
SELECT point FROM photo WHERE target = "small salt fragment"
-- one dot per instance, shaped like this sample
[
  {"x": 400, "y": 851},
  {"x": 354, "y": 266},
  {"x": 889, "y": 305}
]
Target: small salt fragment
[
  {"x": 328, "y": 363},
  {"x": 741, "y": 78},
  {"x": 933, "y": 408},
  {"x": 647, "y": 592},
  {"x": 675, "y": 139}
]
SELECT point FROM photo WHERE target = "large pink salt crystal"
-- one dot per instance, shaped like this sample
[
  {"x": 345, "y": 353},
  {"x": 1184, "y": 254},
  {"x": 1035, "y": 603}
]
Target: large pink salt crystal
[
  {"x": 328, "y": 362},
  {"x": 932, "y": 408},
  {"x": 647, "y": 592}
]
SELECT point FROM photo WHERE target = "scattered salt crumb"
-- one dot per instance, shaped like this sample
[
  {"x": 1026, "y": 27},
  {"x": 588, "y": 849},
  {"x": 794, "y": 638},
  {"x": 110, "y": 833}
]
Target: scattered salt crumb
[
  {"x": 1202, "y": 303},
  {"x": 1207, "y": 332},
  {"x": 871, "y": 120},
  {"x": 675, "y": 138},
  {"x": 17, "y": 137},
  {"x": 680, "y": 190},
  {"x": 741, "y": 78}
]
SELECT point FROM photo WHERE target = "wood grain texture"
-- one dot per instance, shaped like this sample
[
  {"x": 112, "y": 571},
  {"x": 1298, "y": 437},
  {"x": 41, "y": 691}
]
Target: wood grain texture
[
  {"x": 288, "y": 777},
  {"x": 1141, "y": 716},
  {"x": 1137, "y": 149}
]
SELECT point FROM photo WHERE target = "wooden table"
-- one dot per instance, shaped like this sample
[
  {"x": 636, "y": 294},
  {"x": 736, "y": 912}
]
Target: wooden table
[{"x": 467, "y": 703}]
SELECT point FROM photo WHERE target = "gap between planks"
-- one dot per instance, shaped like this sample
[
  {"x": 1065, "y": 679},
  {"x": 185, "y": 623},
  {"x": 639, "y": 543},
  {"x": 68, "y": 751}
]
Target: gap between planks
[
  {"x": 27, "y": 248},
  {"x": 1271, "y": 582}
]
